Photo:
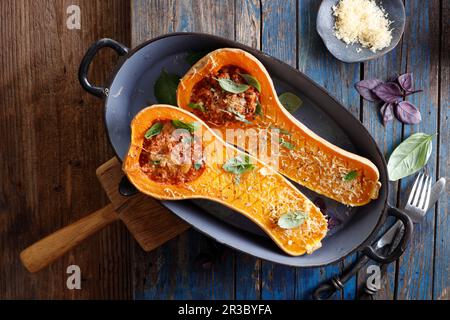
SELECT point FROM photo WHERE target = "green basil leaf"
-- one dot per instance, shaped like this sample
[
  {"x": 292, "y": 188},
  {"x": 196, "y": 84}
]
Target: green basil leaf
[
  {"x": 251, "y": 80},
  {"x": 410, "y": 156},
  {"x": 282, "y": 131},
  {"x": 197, "y": 165},
  {"x": 238, "y": 165},
  {"x": 231, "y": 86},
  {"x": 166, "y": 88},
  {"x": 155, "y": 162},
  {"x": 286, "y": 144},
  {"x": 154, "y": 130},
  {"x": 193, "y": 56},
  {"x": 290, "y": 101},
  {"x": 292, "y": 220},
  {"x": 258, "y": 110},
  {"x": 191, "y": 127},
  {"x": 351, "y": 175},
  {"x": 197, "y": 106}
]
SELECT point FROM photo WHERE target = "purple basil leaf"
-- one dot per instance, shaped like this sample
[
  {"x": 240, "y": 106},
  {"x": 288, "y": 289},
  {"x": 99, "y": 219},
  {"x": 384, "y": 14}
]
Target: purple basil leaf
[
  {"x": 388, "y": 92},
  {"x": 407, "y": 113},
  {"x": 394, "y": 78},
  {"x": 406, "y": 81},
  {"x": 387, "y": 112},
  {"x": 365, "y": 87},
  {"x": 412, "y": 92}
]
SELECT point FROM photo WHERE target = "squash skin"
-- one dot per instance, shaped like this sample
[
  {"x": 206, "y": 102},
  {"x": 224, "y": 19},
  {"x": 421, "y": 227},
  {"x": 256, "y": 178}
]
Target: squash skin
[
  {"x": 275, "y": 115},
  {"x": 262, "y": 194}
]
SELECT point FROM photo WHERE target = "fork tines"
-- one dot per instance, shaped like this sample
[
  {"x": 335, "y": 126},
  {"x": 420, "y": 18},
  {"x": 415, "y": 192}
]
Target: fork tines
[{"x": 420, "y": 193}]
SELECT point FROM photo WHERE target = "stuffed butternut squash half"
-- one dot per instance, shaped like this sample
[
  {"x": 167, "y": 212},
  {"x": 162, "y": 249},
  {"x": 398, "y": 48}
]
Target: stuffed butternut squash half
[
  {"x": 174, "y": 155},
  {"x": 230, "y": 89}
]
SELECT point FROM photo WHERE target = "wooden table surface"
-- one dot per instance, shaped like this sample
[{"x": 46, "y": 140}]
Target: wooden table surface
[{"x": 53, "y": 139}]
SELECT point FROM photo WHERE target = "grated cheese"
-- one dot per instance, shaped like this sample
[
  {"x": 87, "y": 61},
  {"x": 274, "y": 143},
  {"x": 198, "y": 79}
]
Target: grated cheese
[{"x": 363, "y": 22}]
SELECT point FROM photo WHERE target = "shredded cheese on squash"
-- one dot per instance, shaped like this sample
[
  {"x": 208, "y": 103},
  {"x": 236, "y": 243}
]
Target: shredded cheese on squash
[{"x": 363, "y": 22}]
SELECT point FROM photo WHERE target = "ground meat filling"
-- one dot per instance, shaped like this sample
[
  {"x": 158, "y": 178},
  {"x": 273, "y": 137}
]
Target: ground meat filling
[
  {"x": 219, "y": 106},
  {"x": 174, "y": 156}
]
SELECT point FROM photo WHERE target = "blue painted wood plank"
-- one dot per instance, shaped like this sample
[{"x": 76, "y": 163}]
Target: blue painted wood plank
[
  {"x": 248, "y": 277},
  {"x": 248, "y": 31},
  {"x": 421, "y": 44},
  {"x": 442, "y": 251},
  {"x": 279, "y": 40},
  {"x": 190, "y": 266},
  {"x": 338, "y": 78}
]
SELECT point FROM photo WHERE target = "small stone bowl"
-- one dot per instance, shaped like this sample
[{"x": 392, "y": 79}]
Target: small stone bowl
[{"x": 348, "y": 53}]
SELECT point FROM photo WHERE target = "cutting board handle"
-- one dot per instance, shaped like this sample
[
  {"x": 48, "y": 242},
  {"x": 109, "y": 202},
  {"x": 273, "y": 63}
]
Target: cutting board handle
[{"x": 47, "y": 250}]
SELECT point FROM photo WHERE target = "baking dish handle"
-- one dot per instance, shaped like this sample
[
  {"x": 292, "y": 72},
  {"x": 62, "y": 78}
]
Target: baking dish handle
[
  {"x": 327, "y": 289},
  {"x": 87, "y": 60},
  {"x": 401, "y": 247}
]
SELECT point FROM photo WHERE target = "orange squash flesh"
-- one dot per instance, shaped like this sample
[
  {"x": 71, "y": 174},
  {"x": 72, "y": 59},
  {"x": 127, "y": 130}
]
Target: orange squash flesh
[
  {"x": 312, "y": 162},
  {"x": 261, "y": 194}
]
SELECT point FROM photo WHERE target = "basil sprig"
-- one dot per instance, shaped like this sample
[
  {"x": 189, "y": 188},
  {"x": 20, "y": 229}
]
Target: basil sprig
[
  {"x": 197, "y": 106},
  {"x": 281, "y": 130},
  {"x": 166, "y": 88},
  {"x": 351, "y": 175},
  {"x": 258, "y": 109},
  {"x": 286, "y": 144},
  {"x": 410, "y": 156},
  {"x": 238, "y": 165},
  {"x": 290, "y": 101},
  {"x": 154, "y": 130},
  {"x": 198, "y": 165},
  {"x": 239, "y": 116},
  {"x": 251, "y": 80},
  {"x": 292, "y": 219},
  {"x": 191, "y": 127},
  {"x": 231, "y": 86}
]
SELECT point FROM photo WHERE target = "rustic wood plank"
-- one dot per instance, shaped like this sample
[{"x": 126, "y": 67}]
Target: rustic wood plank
[
  {"x": 192, "y": 265},
  {"x": 279, "y": 40},
  {"x": 248, "y": 23},
  {"x": 338, "y": 78},
  {"x": 442, "y": 251},
  {"x": 248, "y": 31},
  {"x": 150, "y": 19},
  {"x": 415, "y": 277},
  {"x": 52, "y": 142}
]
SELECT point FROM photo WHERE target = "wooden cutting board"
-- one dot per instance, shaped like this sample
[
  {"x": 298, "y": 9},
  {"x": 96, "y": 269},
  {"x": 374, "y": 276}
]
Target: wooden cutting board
[{"x": 148, "y": 221}]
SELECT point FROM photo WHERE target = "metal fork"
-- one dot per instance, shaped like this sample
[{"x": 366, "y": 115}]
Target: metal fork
[
  {"x": 419, "y": 199},
  {"x": 417, "y": 205}
]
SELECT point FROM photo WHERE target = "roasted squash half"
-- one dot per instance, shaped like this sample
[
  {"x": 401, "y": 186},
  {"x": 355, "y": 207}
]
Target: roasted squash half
[
  {"x": 224, "y": 174},
  {"x": 236, "y": 100}
]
